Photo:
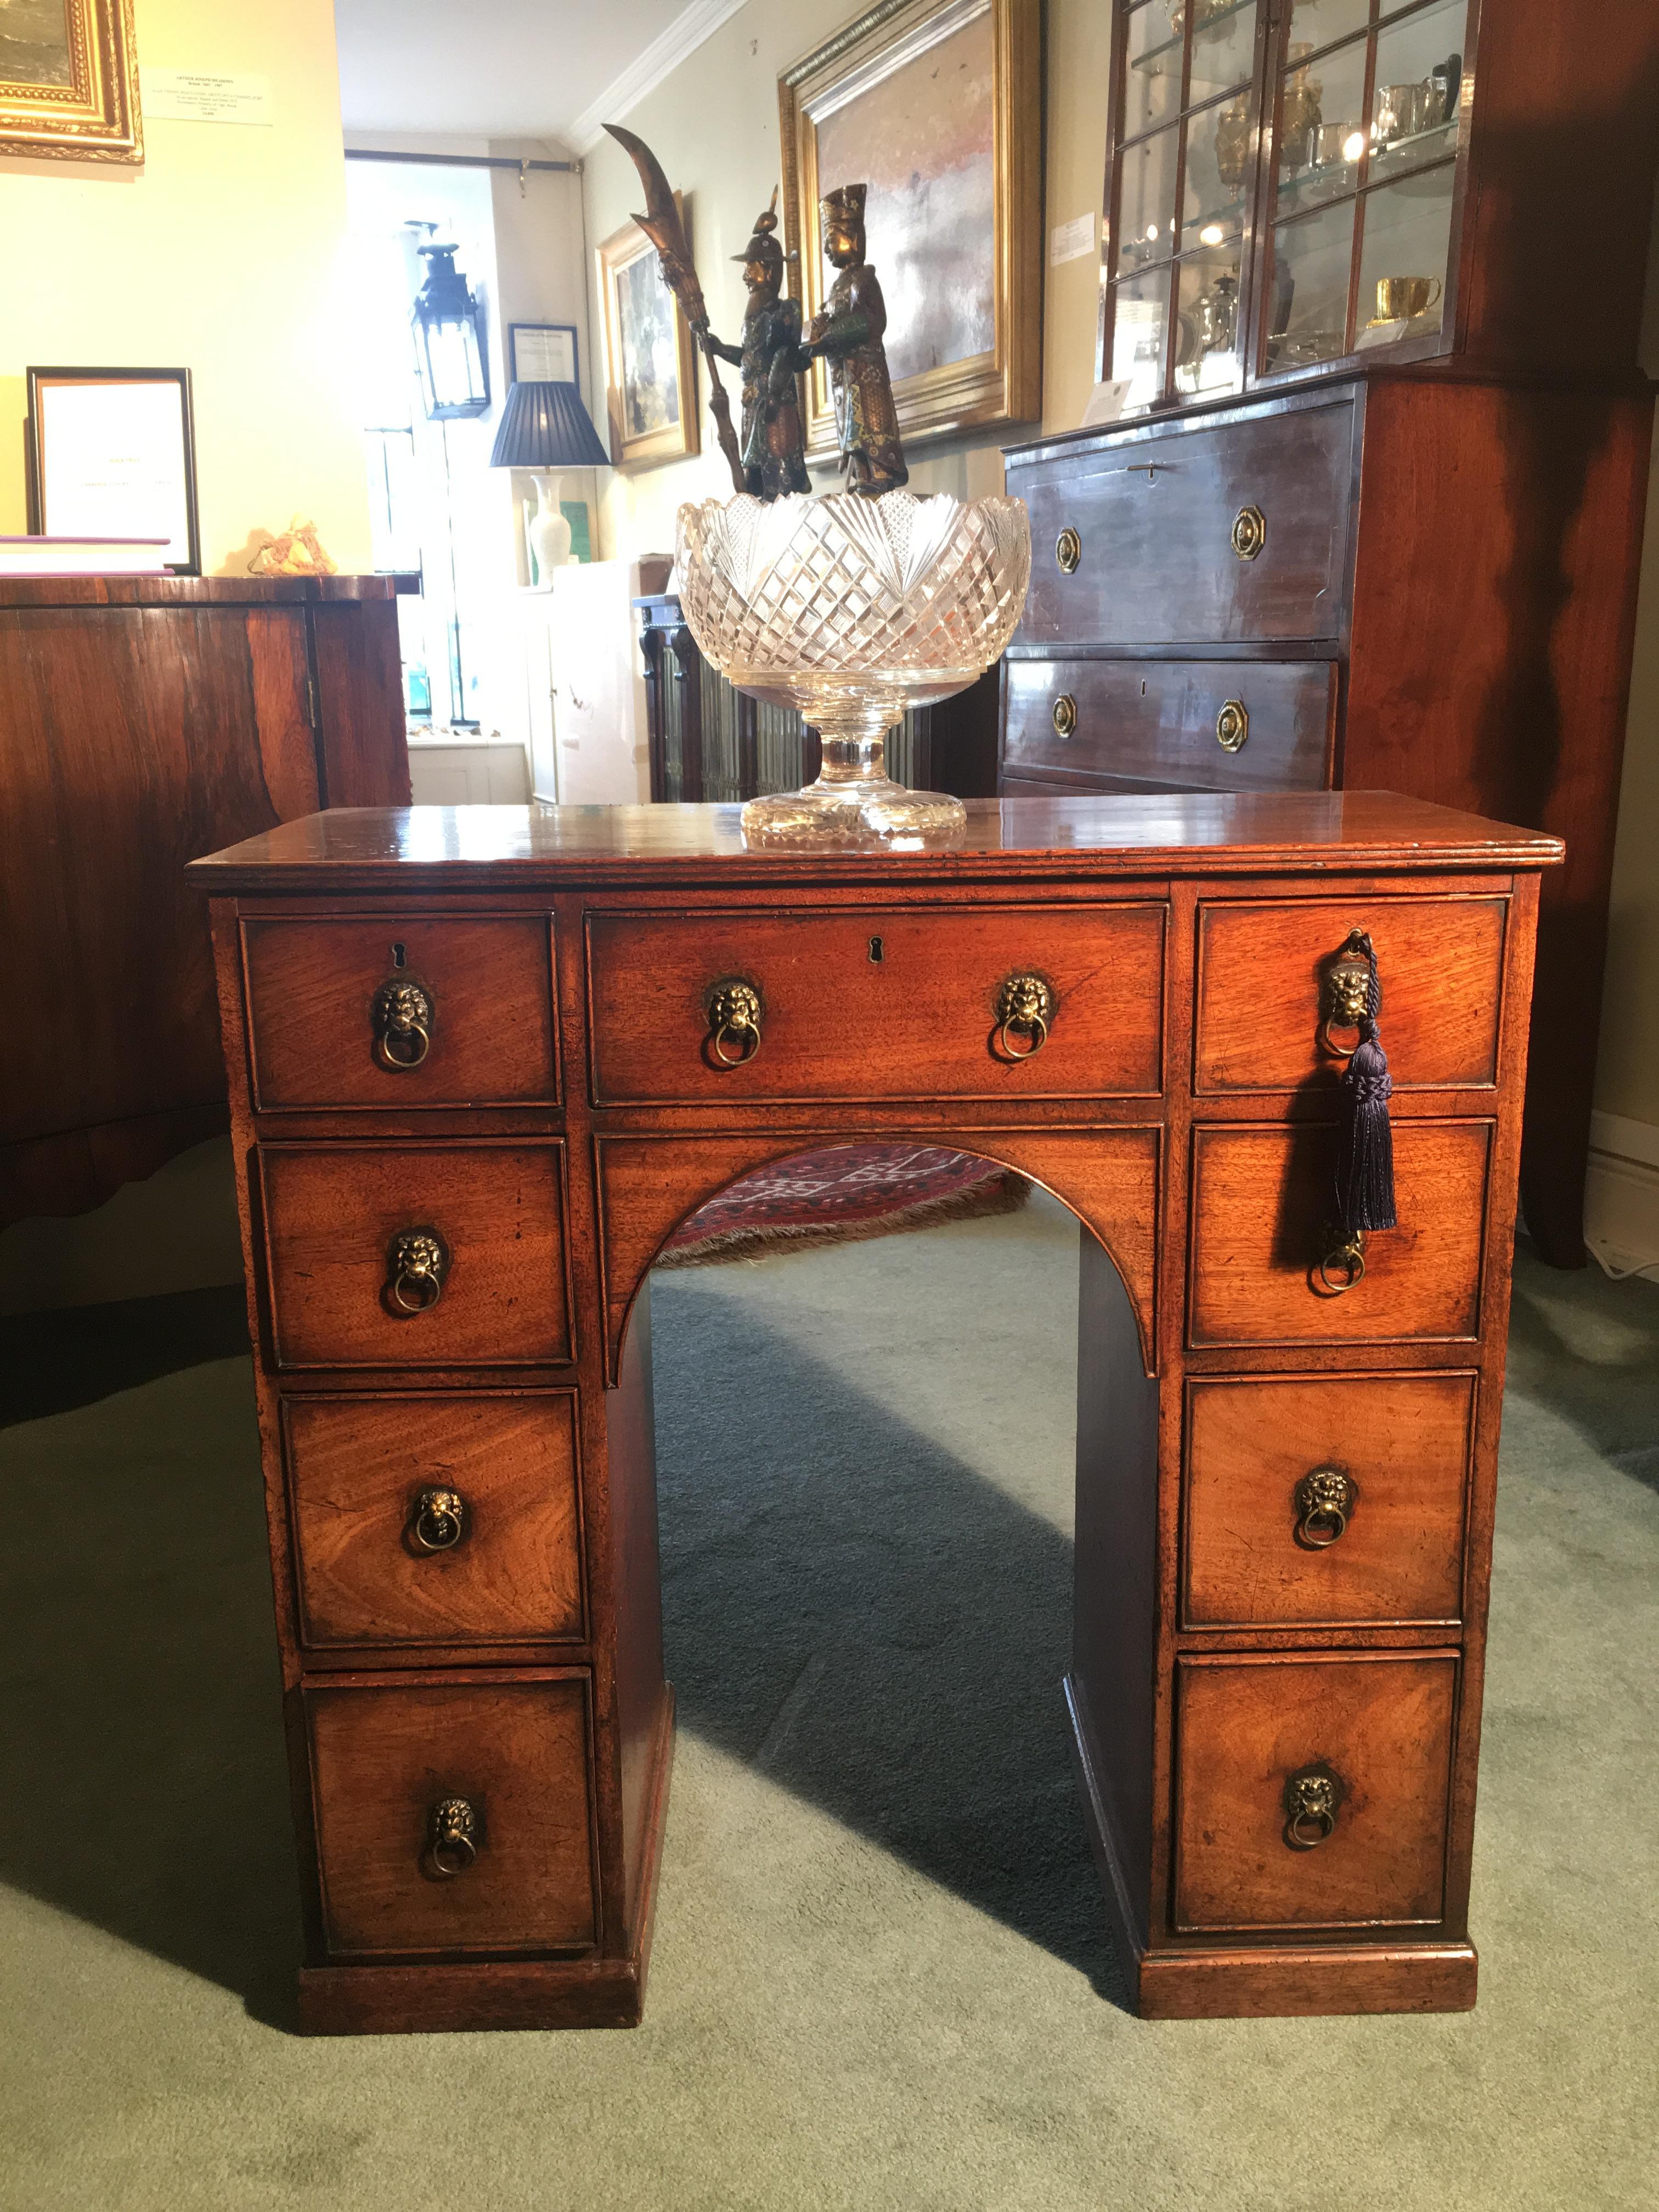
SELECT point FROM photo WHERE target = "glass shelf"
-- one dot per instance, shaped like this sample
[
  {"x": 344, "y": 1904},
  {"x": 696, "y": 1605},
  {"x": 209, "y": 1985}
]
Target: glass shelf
[
  {"x": 1210, "y": 23},
  {"x": 1320, "y": 182}
]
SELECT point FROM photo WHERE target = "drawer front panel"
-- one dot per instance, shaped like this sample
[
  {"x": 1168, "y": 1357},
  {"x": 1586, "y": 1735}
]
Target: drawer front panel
[
  {"x": 1155, "y": 519},
  {"x": 882, "y": 1003},
  {"x": 515, "y": 1753},
  {"x": 1263, "y": 991},
  {"x": 1379, "y": 1729},
  {"x": 1156, "y": 721},
  {"x": 335, "y": 1213},
  {"x": 497, "y": 1560},
  {"x": 318, "y": 1036},
  {"x": 1379, "y": 1542},
  {"x": 1261, "y": 1212}
]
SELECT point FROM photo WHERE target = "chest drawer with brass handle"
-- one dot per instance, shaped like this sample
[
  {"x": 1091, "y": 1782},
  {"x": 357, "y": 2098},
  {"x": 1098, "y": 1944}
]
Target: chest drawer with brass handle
[
  {"x": 433, "y": 1518},
  {"x": 410, "y": 1010},
  {"x": 1222, "y": 725},
  {"x": 1325, "y": 1501},
  {"x": 879, "y": 1002},
  {"x": 352, "y": 1285}
]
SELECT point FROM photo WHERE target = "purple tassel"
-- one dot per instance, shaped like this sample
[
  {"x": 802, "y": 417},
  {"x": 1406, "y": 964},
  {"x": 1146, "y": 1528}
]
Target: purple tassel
[{"x": 1365, "y": 1157}]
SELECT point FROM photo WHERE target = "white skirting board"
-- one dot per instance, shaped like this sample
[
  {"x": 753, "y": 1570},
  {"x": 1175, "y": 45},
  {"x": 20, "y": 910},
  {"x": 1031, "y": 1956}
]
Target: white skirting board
[{"x": 1621, "y": 1195}]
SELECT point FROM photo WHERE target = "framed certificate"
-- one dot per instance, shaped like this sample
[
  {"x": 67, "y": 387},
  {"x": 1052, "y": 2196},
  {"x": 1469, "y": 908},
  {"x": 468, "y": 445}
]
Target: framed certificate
[
  {"x": 111, "y": 454},
  {"x": 542, "y": 353}
]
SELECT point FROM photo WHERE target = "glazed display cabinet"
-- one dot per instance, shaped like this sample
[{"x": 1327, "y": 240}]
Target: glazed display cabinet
[{"x": 1372, "y": 279}]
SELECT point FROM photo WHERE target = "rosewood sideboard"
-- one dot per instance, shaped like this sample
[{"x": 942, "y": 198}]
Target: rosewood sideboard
[
  {"x": 482, "y": 1065},
  {"x": 141, "y": 719}
]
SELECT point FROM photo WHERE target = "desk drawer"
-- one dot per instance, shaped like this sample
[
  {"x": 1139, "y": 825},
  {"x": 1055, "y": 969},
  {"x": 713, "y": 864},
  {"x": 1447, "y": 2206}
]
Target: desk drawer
[
  {"x": 879, "y": 1002},
  {"x": 1154, "y": 518},
  {"x": 1264, "y": 991},
  {"x": 335, "y": 1220},
  {"x": 1378, "y": 1541},
  {"x": 514, "y": 1755},
  {"x": 1162, "y": 721},
  {"x": 446, "y": 1518},
  {"x": 1261, "y": 1213},
  {"x": 1376, "y": 1731},
  {"x": 317, "y": 1027}
]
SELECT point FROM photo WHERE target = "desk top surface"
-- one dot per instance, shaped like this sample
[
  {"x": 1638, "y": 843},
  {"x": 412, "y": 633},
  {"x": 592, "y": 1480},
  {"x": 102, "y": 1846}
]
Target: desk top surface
[{"x": 1188, "y": 833}]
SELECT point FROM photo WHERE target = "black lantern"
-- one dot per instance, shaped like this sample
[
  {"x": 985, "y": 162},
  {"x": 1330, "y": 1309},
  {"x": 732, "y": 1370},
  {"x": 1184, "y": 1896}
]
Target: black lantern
[{"x": 452, "y": 346}]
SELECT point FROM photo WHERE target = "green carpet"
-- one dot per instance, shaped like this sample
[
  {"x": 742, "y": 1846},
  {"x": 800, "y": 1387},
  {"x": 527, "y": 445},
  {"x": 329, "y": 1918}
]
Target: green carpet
[{"x": 881, "y": 1976}]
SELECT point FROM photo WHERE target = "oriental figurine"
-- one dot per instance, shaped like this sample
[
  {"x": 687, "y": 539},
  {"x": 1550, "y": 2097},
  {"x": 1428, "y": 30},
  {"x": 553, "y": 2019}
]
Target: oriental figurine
[
  {"x": 848, "y": 335},
  {"x": 771, "y": 358}
]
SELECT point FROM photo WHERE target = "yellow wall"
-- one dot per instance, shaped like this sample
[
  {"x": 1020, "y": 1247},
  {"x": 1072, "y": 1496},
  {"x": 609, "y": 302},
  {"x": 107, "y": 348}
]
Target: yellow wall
[
  {"x": 727, "y": 175},
  {"x": 223, "y": 254}
]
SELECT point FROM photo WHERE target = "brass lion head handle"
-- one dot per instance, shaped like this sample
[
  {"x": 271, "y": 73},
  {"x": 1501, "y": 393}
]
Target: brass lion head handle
[
  {"x": 1312, "y": 1799},
  {"x": 418, "y": 1260},
  {"x": 1025, "y": 1008},
  {"x": 452, "y": 1837},
  {"x": 1343, "y": 1268},
  {"x": 401, "y": 1013},
  {"x": 438, "y": 1520},
  {"x": 733, "y": 1008},
  {"x": 1324, "y": 1500},
  {"x": 1348, "y": 997}
]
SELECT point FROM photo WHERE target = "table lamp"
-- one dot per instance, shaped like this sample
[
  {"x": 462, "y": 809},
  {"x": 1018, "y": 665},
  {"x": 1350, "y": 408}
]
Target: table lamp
[{"x": 545, "y": 427}]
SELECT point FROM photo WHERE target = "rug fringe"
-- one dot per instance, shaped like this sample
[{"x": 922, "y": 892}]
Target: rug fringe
[{"x": 1004, "y": 1194}]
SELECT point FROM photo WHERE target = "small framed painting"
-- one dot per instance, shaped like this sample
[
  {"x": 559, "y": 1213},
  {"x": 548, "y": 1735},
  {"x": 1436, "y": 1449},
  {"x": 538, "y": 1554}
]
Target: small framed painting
[
  {"x": 112, "y": 453},
  {"x": 650, "y": 363},
  {"x": 69, "y": 81},
  {"x": 542, "y": 353}
]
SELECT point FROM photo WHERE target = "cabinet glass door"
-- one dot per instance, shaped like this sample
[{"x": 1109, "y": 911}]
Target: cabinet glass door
[
  {"x": 1183, "y": 173},
  {"x": 1368, "y": 101}
]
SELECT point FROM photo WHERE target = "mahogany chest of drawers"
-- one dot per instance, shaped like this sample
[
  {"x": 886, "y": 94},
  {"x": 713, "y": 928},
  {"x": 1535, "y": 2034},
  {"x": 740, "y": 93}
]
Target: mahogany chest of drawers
[{"x": 481, "y": 1068}]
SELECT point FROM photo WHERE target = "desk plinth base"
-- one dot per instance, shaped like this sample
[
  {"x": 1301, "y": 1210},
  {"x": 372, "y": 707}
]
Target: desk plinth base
[{"x": 1284, "y": 1981}]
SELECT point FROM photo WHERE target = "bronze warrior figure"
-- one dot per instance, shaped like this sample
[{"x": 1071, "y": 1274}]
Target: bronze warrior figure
[
  {"x": 848, "y": 335},
  {"x": 771, "y": 358}
]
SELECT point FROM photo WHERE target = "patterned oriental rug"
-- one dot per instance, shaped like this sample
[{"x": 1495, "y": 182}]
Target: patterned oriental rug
[{"x": 840, "y": 1193}]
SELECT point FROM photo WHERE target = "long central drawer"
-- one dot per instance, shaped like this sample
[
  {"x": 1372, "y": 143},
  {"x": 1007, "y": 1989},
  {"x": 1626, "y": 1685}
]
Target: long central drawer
[{"x": 883, "y": 1002}]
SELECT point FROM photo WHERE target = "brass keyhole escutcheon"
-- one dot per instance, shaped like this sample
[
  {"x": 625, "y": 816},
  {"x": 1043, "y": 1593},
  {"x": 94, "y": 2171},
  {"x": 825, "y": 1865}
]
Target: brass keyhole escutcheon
[
  {"x": 1249, "y": 532},
  {"x": 401, "y": 1016},
  {"x": 1025, "y": 1008},
  {"x": 452, "y": 1837},
  {"x": 440, "y": 1520},
  {"x": 1068, "y": 550},
  {"x": 1324, "y": 1500},
  {"x": 1064, "y": 716},
  {"x": 1232, "y": 725},
  {"x": 418, "y": 1260},
  {"x": 733, "y": 1008},
  {"x": 1312, "y": 1801}
]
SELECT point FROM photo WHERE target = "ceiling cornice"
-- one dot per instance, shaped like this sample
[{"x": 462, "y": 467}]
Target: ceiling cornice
[{"x": 684, "y": 36}]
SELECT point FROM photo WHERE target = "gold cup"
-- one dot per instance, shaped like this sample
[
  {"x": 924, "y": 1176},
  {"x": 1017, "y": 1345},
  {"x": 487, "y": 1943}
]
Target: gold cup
[{"x": 1400, "y": 298}]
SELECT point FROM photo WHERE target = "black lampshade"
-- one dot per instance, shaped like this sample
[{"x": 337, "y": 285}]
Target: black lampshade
[{"x": 545, "y": 426}]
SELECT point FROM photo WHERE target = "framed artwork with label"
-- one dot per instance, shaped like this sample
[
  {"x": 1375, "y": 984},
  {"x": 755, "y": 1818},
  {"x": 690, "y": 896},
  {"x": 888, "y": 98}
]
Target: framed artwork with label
[
  {"x": 650, "y": 361},
  {"x": 69, "y": 81}
]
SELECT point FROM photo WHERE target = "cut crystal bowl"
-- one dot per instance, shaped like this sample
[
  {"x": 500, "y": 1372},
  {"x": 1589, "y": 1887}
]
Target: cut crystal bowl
[{"x": 853, "y": 610}]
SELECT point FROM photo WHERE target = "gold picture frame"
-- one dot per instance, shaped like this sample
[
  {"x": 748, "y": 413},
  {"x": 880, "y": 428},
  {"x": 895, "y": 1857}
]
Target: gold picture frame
[
  {"x": 650, "y": 360},
  {"x": 69, "y": 81},
  {"x": 937, "y": 104}
]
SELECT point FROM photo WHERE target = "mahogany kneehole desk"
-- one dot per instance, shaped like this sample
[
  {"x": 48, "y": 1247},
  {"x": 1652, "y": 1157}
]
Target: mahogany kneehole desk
[{"x": 482, "y": 1064}]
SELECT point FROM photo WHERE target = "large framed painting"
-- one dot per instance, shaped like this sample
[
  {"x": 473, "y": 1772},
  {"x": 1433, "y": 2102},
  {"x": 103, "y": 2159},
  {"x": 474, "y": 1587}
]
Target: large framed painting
[
  {"x": 69, "y": 81},
  {"x": 936, "y": 105},
  {"x": 650, "y": 361}
]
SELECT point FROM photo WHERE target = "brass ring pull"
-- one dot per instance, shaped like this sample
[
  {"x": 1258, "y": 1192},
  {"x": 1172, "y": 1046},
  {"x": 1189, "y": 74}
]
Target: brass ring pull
[
  {"x": 1324, "y": 1500},
  {"x": 1348, "y": 1000},
  {"x": 440, "y": 1520},
  {"x": 1068, "y": 550},
  {"x": 401, "y": 1011},
  {"x": 452, "y": 1837},
  {"x": 1025, "y": 1005},
  {"x": 1249, "y": 532},
  {"x": 1311, "y": 1799},
  {"x": 1329, "y": 1044},
  {"x": 735, "y": 1016},
  {"x": 1064, "y": 716},
  {"x": 1232, "y": 725},
  {"x": 417, "y": 1263},
  {"x": 1349, "y": 1256}
]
